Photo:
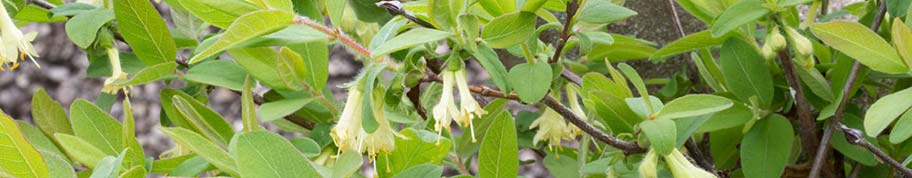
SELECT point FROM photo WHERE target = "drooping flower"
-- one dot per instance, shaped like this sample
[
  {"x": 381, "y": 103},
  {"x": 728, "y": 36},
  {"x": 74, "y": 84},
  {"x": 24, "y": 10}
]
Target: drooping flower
[
  {"x": 649, "y": 164},
  {"x": 552, "y": 128},
  {"x": 445, "y": 111},
  {"x": 110, "y": 85},
  {"x": 16, "y": 46},
  {"x": 682, "y": 168},
  {"x": 470, "y": 108},
  {"x": 348, "y": 134}
]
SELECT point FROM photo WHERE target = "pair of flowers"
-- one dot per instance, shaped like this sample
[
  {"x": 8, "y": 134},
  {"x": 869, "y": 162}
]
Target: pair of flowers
[
  {"x": 349, "y": 134},
  {"x": 679, "y": 165},
  {"x": 14, "y": 45}
]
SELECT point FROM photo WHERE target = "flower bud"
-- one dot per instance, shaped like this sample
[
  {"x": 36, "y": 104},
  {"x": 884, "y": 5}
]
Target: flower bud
[
  {"x": 682, "y": 168},
  {"x": 774, "y": 40},
  {"x": 800, "y": 44},
  {"x": 648, "y": 165}
]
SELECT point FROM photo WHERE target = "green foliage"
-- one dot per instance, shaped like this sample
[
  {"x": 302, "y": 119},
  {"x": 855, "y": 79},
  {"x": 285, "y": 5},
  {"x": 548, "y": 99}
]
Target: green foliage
[{"x": 276, "y": 55}]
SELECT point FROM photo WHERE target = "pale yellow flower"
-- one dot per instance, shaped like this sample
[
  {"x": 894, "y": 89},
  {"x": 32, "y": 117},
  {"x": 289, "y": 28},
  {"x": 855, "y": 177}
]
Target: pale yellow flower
[
  {"x": 16, "y": 46},
  {"x": 445, "y": 111},
  {"x": 682, "y": 168},
  {"x": 470, "y": 108},
  {"x": 649, "y": 164},
  {"x": 552, "y": 128},
  {"x": 117, "y": 74},
  {"x": 348, "y": 133},
  {"x": 348, "y": 128}
]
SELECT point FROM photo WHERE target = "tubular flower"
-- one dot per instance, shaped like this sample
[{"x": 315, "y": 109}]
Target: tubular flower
[
  {"x": 552, "y": 128},
  {"x": 573, "y": 98},
  {"x": 348, "y": 133},
  {"x": 383, "y": 139},
  {"x": 16, "y": 46},
  {"x": 470, "y": 108},
  {"x": 445, "y": 110},
  {"x": 682, "y": 168},
  {"x": 117, "y": 74},
  {"x": 648, "y": 166}
]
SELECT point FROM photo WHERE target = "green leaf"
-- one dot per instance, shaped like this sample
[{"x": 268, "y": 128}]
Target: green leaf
[
  {"x": 165, "y": 165},
  {"x": 444, "y": 12},
  {"x": 560, "y": 165},
  {"x": 41, "y": 142},
  {"x": 204, "y": 148},
  {"x": 135, "y": 155},
  {"x": 531, "y": 81},
  {"x": 96, "y": 127},
  {"x": 266, "y": 154},
  {"x": 58, "y": 166},
  {"x": 220, "y": 73},
  {"x": 414, "y": 148},
  {"x": 614, "y": 111},
  {"x": 291, "y": 35},
  {"x": 153, "y": 73},
  {"x": 693, "y": 105},
  {"x": 368, "y": 117},
  {"x": 108, "y": 166},
  {"x": 499, "y": 151},
  {"x": 71, "y": 9},
  {"x": 307, "y": 146},
  {"x": 766, "y": 147},
  {"x": 20, "y": 159},
  {"x": 290, "y": 67},
  {"x": 144, "y": 29},
  {"x": 409, "y": 39},
  {"x": 347, "y": 164},
  {"x": 248, "y": 107},
  {"x": 639, "y": 85},
  {"x": 859, "y": 42},
  {"x": 902, "y": 39},
  {"x": 661, "y": 134},
  {"x": 624, "y": 48},
  {"x": 204, "y": 120},
  {"x": 247, "y": 27},
  {"x": 277, "y": 109},
  {"x": 509, "y": 30},
  {"x": 533, "y": 5},
  {"x": 745, "y": 71},
  {"x": 219, "y": 13},
  {"x": 816, "y": 82},
  {"x": 603, "y": 11},
  {"x": 262, "y": 60},
  {"x": 80, "y": 150},
  {"x": 284, "y": 5},
  {"x": 885, "y": 110},
  {"x": 83, "y": 28},
  {"x": 740, "y": 14},
  {"x": 316, "y": 62},
  {"x": 699, "y": 40},
  {"x": 736, "y": 115},
  {"x": 48, "y": 115},
  {"x": 422, "y": 170},
  {"x": 498, "y": 7},
  {"x": 901, "y": 130},
  {"x": 492, "y": 65}
]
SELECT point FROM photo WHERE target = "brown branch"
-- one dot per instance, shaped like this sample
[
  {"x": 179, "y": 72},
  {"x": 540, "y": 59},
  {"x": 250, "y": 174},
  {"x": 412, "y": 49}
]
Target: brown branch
[
  {"x": 43, "y": 4},
  {"x": 808, "y": 131},
  {"x": 824, "y": 146},
  {"x": 572, "y": 7}
]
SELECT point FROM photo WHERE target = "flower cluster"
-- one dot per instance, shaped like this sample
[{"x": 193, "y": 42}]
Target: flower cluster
[
  {"x": 16, "y": 46},
  {"x": 349, "y": 134},
  {"x": 446, "y": 110}
]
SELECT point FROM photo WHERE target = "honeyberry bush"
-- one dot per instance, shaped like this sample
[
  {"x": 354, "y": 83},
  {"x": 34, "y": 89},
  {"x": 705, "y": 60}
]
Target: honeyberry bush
[{"x": 778, "y": 91}]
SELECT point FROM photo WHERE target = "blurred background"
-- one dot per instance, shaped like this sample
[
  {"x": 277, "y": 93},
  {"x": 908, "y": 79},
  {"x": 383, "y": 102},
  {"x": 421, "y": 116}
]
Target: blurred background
[{"x": 63, "y": 73}]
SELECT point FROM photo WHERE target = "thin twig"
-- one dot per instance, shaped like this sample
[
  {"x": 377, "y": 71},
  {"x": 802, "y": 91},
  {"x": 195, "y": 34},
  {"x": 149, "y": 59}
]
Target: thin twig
[
  {"x": 336, "y": 34},
  {"x": 572, "y": 7},
  {"x": 626, "y": 146},
  {"x": 696, "y": 153},
  {"x": 855, "y": 137},
  {"x": 823, "y": 148},
  {"x": 395, "y": 8},
  {"x": 824, "y": 7},
  {"x": 43, "y": 4}
]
